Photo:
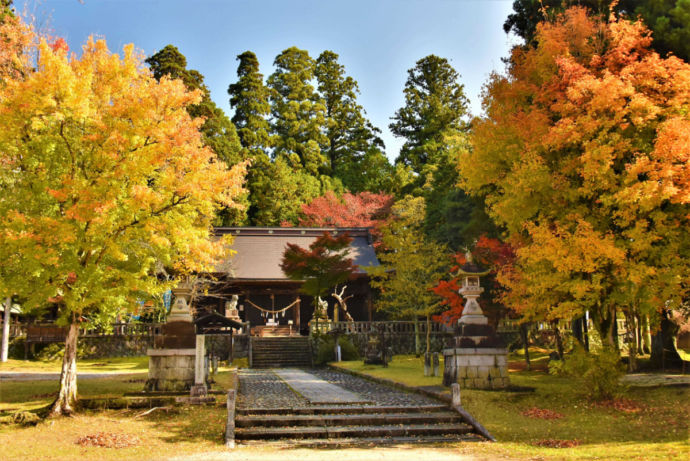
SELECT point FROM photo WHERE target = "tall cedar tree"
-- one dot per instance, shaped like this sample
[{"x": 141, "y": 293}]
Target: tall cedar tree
[
  {"x": 669, "y": 20},
  {"x": 322, "y": 267},
  {"x": 298, "y": 112},
  {"x": 218, "y": 131},
  {"x": 411, "y": 264},
  {"x": 435, "y": 108},
  {"x": 103, "y": 179},
  {"x": 354, "y": 147},
  {"x": 432, "y": 122},
  {"x": 298, "y": 174},
  {"x": 249, "y": 98},
  {"x": 584, "y": 154}
]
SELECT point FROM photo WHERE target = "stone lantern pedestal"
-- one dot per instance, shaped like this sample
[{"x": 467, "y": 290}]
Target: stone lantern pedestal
[
  {"x": 172, "y": 360},
  {"x": 477, "y": 357}
]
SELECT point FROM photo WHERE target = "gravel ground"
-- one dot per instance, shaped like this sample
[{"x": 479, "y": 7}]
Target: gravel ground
[{"x": 263, "y": 389}]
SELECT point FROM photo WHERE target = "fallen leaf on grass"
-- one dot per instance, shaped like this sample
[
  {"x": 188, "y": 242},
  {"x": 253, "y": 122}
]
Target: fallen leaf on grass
[
  {"x": 43, "y": 396},
  {"x": 542, "y": 413},
  {"x": 624, "y": 405},
  {"x": 555, "y": 443},
  {"x": 108, "y": 440}
]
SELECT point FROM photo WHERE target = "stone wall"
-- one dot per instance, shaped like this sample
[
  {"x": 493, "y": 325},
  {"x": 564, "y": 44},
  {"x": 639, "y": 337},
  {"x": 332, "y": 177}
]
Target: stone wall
[
  {"x": 170, "y": 369},
  {"x": 114, "y": 346},
  {"x": 401, "y": 343},
  {"x": 476, "y": 368}
]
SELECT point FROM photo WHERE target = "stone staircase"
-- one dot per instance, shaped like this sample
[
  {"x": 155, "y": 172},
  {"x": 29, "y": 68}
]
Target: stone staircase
[
  {"x": 274, "y": 330},
  {"x": 280, "y": 352},
  {"x": 336, "y": 426}
]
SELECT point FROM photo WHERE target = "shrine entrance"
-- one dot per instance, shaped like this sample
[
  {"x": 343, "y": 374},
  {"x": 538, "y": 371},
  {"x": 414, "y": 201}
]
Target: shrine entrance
[{"x": 277, "y": 320}]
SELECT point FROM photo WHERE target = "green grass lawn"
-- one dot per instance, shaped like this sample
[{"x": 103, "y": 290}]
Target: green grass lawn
[
  {"x": 655, "y": 427},
  {"x": 108, "y": 365}
]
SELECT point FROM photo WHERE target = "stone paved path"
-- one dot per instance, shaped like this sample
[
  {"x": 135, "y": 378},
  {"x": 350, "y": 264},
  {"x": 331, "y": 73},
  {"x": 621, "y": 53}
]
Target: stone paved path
[
  {"x": 655, "y": 379},
  {"x": 315, "y": 389},
  {"x": 261, "y": 388}
]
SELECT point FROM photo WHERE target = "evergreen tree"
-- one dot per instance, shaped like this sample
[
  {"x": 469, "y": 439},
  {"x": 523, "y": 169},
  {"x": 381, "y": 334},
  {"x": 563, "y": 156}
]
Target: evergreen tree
[
  {"x": 435, "y": 107},
  {"x": 218, "y": 132},
  {"x": 433, "y": 124},
  {"x": 6, "y": 8},
  {"x": 281, "y": 191},
  {"x": 354, "y": 147},
  {"x": 298, "y": 112},
  {"x": 249, "y": 98}
]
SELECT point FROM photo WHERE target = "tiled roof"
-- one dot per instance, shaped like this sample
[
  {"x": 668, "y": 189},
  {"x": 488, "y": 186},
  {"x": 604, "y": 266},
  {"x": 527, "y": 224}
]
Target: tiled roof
[{"x": 260, "y": 249}]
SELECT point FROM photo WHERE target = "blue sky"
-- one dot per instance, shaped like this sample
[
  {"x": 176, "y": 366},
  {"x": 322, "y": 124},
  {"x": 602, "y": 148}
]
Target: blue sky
[{"x": 377, "y": 40}]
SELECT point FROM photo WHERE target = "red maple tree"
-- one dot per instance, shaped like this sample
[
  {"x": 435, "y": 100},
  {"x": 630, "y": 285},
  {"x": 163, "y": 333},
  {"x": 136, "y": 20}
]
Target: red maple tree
[{"x": 365, "y": 209}]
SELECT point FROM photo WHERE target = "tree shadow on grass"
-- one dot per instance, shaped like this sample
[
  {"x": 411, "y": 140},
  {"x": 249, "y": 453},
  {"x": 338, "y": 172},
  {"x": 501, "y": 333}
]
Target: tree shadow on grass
[{"x": 192, "y": 424}]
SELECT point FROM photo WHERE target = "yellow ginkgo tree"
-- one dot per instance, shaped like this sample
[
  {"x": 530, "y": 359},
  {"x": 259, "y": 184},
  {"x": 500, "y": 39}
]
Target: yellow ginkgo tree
[{"x": 104, "y": 180}]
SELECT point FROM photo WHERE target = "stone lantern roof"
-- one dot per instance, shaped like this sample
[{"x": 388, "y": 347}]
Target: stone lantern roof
[{"x": 470, "y": 268}]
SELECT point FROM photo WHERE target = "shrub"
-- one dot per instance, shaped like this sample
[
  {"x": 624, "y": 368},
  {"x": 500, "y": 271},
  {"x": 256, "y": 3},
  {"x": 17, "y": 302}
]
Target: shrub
[
  {"x": 55, "y": 351},
  {"x": 598, "y": 376},
  {"x": 325, "y": 349}
]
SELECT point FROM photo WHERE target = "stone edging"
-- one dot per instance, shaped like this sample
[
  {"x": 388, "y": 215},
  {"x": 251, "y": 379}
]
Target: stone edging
[{"x": 421, "y": 391}]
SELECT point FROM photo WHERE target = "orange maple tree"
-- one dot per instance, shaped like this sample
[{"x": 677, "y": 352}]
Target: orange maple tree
[{"x": 584, "y": 151}]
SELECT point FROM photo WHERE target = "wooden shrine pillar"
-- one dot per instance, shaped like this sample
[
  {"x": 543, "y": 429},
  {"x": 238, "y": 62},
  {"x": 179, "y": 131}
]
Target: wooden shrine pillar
[
  {"x": 298, "y": 306},
  {"x": 370, "y": 308}
]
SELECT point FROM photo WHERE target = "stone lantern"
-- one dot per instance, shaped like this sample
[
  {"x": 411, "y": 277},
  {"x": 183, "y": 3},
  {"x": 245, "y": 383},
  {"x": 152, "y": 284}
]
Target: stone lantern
[
  {"x": 477, "y": 357},
  {"x": 470, "y": 290}
]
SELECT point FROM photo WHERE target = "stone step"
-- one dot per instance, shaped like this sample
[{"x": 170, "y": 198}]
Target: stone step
[
  {"x": 365, "y": 441},
  {"x": 281, "y": 365},
  {"x": 310, "y": 432},
  {"x": 363, "y": 419},
  {"x": 352, "y": 409}
]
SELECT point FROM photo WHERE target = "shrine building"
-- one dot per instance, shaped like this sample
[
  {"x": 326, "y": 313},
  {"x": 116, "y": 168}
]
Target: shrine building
[{"x": 250, "y": 283}]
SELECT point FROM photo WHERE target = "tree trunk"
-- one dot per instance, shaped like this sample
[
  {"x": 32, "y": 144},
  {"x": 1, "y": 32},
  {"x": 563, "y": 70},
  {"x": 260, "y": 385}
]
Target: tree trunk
[
  {"x": 664, "y": 352},
  {"x": 67, "y": 397},
  {"x": 428, "y": 334},
  {"x": 6, "y": 330},
  {"x": 417, "y": 344},
  {"x": 585, "y": 330},
  {"x": 605, "y": 323},
  {"x": 631, "y": 336},
  {"x": 559, "y": 340},
  {"x": 647, "y": 336},
  {"x": 525, "y": 343},
  {"x": 577, "y": 330}
]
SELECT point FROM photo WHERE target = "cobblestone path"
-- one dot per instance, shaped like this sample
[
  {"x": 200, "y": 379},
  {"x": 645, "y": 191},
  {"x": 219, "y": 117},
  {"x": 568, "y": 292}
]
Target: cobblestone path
[{"x": 260, "y": 388}]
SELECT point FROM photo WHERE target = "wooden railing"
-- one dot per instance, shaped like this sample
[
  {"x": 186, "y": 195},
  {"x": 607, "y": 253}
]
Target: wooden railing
[
  {"x": 124, "y": 329},
  {"x": 392, "y": 327}
]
